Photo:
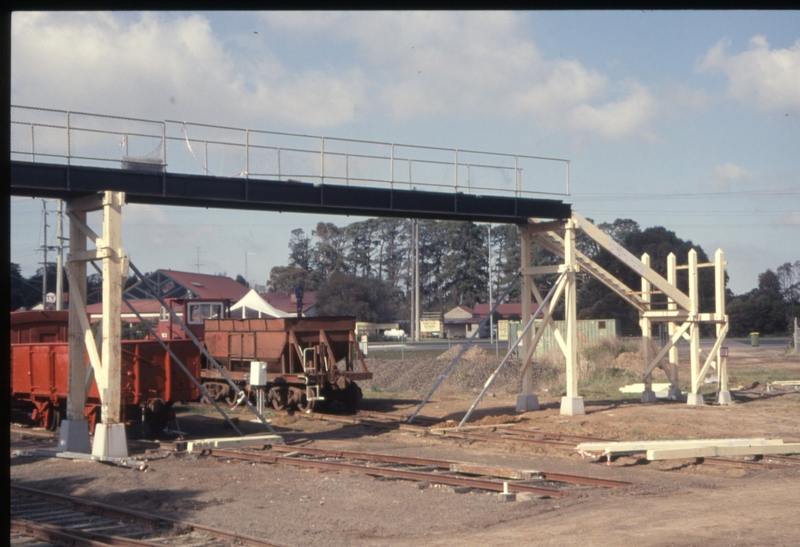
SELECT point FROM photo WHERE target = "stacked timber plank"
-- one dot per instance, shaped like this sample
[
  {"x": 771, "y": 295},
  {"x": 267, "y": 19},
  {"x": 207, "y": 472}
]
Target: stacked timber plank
[{"x": 702, "y": 448}]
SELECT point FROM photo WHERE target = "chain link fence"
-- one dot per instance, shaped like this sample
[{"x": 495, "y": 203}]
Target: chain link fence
[{"x": 77, "y": 138}]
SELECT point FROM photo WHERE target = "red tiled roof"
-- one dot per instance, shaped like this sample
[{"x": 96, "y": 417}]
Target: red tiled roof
[
  {"x": 286, "y": 301},
  {"x": 209, "y": 286},
  {"x": 505, "y": 310}
]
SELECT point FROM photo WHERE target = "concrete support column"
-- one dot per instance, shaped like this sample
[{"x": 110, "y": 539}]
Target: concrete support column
[
  {"x": 694, "y": 398},
  {"x": 672, "y": 278},
  {"x": 526, "y": 400},
  {"x": 648, "y": 396},
  {"x": 571, "y": 404}
]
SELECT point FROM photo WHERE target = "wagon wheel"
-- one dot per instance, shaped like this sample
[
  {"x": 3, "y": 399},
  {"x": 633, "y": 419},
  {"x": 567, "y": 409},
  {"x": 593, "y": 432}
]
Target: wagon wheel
[
  {"x": 305, "y": 405},
  {"x": 156, "y": 417},
  {"x": 277, "y": 398},
  {"x": 52, "y": 418},
  {"x": 351, "y": 397}
]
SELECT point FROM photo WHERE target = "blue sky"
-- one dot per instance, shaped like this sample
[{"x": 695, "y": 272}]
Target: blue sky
[{"x": 688, "y": 120}]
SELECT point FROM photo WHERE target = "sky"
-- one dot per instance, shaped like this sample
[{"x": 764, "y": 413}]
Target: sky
[{"x": 688, "y": 120}]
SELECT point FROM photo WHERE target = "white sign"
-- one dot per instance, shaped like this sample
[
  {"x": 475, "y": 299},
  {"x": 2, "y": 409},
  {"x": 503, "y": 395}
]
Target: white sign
[{"x": 50, "y": 298}]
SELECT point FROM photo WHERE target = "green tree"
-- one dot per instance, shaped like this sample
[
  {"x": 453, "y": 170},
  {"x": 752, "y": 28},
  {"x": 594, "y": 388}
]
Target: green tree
[
  {"x": 369, "y": 299},
  {"x": 330, "y": 250},
  {"x": 300, "y": 251},
  {"x": 284, "y": 279}
]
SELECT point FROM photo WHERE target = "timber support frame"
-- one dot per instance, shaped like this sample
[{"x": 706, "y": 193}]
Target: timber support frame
[
  {"x": 682, "y": 314},
  {"x": 105, "y": 354}
]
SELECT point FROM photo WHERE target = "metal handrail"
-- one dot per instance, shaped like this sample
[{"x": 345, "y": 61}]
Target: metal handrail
[{"x": 489, "y": 180}]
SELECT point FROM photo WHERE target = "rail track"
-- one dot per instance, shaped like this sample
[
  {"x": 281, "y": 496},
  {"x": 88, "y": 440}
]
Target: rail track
[
  {"x": 57, "y": 519},
  {"x": 424, "y": 470}
]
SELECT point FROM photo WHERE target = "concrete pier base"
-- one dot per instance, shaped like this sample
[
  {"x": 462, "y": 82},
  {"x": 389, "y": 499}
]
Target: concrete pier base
[
  {"x": 724, "y": 398},
  {"x": 110, "y": 441},
  {"x": 572, "y": 406},
  {"x": 74, "y": 437},
  {"x": 648, "y": 396},
  {"x": 695, "y": 399},
  {"x": 675, "y": 394},
  {"x": 527, "y": 402}
]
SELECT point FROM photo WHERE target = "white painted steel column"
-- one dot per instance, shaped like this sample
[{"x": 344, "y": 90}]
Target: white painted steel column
[
  {"x": 526, "y": 400},
  {"x": 74, "y": 433},
  {"x": 571, "y": 404},
  {"x": 724, "y": 395},
  {"x": 110, "y": 440},
  {"x": 647, "y": 332},
  {"x": 694, "y": 397},
  {"x": 672, "y": 276}
]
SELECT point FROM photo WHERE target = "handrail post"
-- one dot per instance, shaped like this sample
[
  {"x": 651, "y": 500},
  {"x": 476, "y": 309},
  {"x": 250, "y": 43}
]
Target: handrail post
[
  {"x": 247, "y": 153},
  {"x": 33, "y": 147},
  {"x": 456, "y": 171},
  {"x": 391, "y": 168},
  {"x": 567, "y": 177},
  {"x": 322, "y": 162},
  {"x": 69, "y": 144}
]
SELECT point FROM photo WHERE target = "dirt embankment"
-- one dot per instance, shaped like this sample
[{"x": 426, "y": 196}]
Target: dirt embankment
[{"x": 418, "y": 375}]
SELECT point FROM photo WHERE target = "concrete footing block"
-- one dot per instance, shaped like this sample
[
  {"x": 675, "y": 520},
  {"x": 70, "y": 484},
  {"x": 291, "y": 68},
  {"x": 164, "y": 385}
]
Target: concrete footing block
[
  {"x": 649, "y": 396},
  {"x": 510, "y": 496},
  {"x": 572, "y": 406},
  {"x": 675, "y": 394},
  {"x": 724, "y": 398},
  {"x": 695, "y": 399},
  {"x": 74, "y": 437},
  {"x": 110, "y": 441},
  {"x": 527, "y": 402}
]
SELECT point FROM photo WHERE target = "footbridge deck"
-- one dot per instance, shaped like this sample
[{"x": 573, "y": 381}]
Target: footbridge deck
[{"x": 61, "y": 154}]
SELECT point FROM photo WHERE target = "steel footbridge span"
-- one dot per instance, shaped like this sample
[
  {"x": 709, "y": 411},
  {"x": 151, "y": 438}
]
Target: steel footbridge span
[{"x": 60, "y": 154}]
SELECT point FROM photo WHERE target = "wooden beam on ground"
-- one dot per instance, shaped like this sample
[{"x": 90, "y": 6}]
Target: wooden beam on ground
[
  {"x": 234, "y": 442},
  {"x": 713, "y": 451},
  {"x": 632, "y": 447}
]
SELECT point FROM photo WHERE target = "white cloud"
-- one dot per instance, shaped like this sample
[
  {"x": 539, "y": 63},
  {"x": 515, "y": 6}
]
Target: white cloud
[
  {"x": 768, "y": 77},
  {"x": 159, "y": 63},
  {"x": 479, "y": 64},
  {"x": 729, "y": 177},
  {"x": 413, "y": 65}
]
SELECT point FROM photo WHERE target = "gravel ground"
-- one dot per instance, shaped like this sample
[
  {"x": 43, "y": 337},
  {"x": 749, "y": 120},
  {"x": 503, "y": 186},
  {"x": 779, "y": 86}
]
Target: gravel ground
[{"x": 673, "y": 503}]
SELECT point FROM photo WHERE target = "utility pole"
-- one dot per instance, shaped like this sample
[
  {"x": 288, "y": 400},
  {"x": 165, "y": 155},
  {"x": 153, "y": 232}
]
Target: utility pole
[
  {"x": 491, "y": 319},
  {"x": 198, "y": 260},
  {"x": 417, "y": 313},
  {"x": 60, "y": 258},
  {"x": 44, "y": 250}
]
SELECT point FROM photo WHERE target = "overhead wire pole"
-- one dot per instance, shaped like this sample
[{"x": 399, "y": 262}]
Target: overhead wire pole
[
  {"x": 522, "y": 335},
  {"x": 60, "y": 258},
  {"x": 463, "y": 349},
  {"x": 239, "y": 393}
]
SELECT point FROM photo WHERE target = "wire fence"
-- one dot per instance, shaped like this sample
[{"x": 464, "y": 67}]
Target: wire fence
[{"x": 77, "y": 138}]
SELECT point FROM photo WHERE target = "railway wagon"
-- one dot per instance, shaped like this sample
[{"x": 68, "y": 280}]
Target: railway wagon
[
  {"x": 151, "y": 381},
  {"x": 308, "y": 359}
]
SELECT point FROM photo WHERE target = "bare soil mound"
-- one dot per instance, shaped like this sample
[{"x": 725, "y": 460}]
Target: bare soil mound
[{"x": 468, "y": 375}]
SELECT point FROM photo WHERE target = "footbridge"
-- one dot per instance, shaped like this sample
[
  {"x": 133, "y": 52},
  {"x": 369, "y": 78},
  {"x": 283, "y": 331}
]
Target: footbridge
[
  {"x": 66, "y": 155},
  {"x": 99, "y": 163}
]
